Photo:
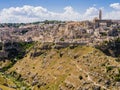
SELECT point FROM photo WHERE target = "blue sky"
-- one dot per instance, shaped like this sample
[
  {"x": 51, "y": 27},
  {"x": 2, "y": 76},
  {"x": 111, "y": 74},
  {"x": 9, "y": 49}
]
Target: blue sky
[
  {"x": 57, "y": 5},
  {"x": 79, "y": 7}
]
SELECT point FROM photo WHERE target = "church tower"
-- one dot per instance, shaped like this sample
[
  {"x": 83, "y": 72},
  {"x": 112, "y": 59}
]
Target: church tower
[{"x": 100, "y": 14}]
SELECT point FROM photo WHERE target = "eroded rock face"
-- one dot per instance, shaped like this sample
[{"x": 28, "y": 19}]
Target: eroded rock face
[
  {"x": 111, "y": 48},
  {"x": 13, "y": 50}
]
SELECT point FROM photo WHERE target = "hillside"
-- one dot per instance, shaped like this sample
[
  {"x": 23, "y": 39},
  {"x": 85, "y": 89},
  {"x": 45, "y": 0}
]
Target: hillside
[{"x": 70, "y": 68}]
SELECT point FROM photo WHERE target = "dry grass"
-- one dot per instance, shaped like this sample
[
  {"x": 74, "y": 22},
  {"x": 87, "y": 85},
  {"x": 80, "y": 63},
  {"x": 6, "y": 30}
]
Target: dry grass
[
  {"x": 5, "y": 88},
  {"x": 57, "y": 71}
]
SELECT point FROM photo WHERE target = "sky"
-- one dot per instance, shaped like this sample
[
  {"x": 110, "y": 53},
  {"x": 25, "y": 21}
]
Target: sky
[{"x": 16, "y": 11}]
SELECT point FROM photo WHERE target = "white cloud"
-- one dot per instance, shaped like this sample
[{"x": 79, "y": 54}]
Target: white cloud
[
  {"x": 112, "y": 15},
  {"x": 115, "y": 5},
  {"x": 23, "y": 14},
  {"x": 91, "y": 11},
  {"x": 31, "y": 13}
]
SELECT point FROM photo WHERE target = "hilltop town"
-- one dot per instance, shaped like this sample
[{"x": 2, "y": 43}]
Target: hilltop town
[{"x": 82, "y": 32}]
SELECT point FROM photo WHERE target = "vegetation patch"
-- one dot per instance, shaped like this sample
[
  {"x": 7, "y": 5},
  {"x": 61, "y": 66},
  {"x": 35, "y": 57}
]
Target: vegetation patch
[{"x": 109, "y": 68}]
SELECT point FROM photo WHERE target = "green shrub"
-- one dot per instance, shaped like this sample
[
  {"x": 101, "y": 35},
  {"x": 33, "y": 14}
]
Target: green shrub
[
  {"x": 117, "y": 77},
  {"x": 109, "y": 68},
  {"x": 62, "y": 39}
]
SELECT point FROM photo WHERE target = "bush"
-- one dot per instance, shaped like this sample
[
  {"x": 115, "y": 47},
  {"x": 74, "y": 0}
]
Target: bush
[
  {"x": 103, "y": 34},
  {"x": 117, "y": 77},
  {"x": 80, "y": 77},
  {"x": 61, "y": 54},
  {"x": 62, "y": 39},
  {"x": 108, "y": 68}
]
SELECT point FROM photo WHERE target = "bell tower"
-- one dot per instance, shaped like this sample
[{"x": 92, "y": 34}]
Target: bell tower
[{"x": 100, "y": 14}]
